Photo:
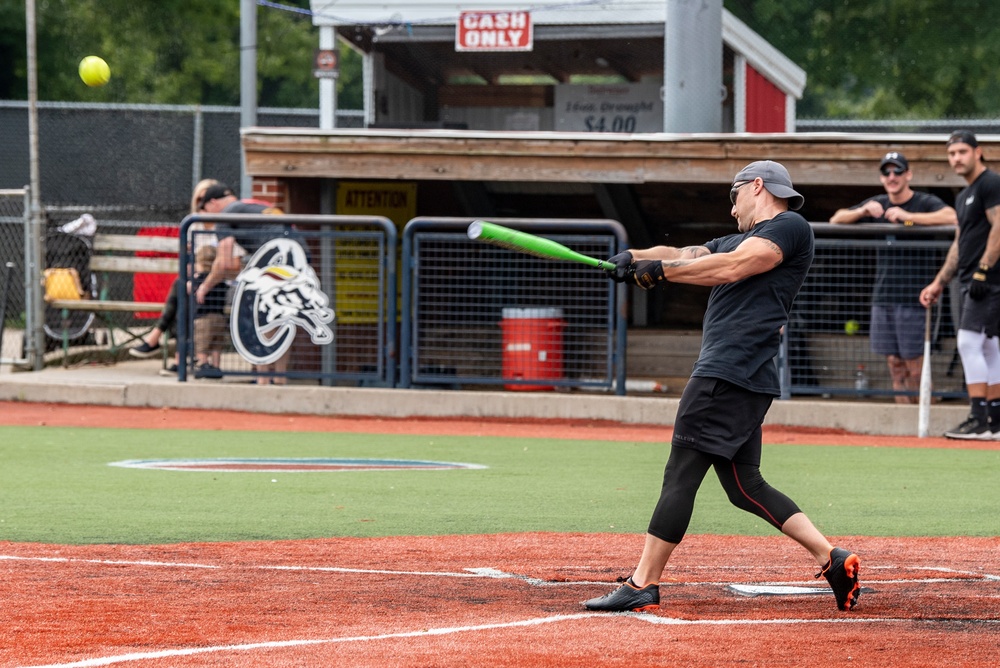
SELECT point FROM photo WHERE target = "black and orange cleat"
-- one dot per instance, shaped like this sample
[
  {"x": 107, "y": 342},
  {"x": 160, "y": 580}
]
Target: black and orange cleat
[
  {"x": 841, "y": 571},
  {"x": 627, "y": 597}
]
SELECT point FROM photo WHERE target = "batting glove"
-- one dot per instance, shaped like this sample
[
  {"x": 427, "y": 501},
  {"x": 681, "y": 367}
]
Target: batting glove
[
  {"x": 622, "y": 262},
  {"x": 978, "y": 287},
  {"x": 648, "y": 274}
]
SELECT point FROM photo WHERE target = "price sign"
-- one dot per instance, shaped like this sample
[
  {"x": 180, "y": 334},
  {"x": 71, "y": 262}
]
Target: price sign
[{"x": 608, "y": 108}]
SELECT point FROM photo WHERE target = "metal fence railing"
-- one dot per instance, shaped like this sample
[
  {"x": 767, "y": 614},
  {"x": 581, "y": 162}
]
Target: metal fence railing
[
  {"x": 68, "y": 243},
  {"x": 314, "y": 300},
  {"x": 827, "y": 345},
  {"x": 13, "y": 317},
  {"x": 475, "y": 314}
]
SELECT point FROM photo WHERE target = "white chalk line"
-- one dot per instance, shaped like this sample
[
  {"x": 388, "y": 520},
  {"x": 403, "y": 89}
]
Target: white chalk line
[
  {"x": 278, "y": 644},
  {"x": 644, "y": 617},
  {"x": 486, "y": 573},
  {"x": 109, "y": 562},
  {"x": 496, "y": 574}
]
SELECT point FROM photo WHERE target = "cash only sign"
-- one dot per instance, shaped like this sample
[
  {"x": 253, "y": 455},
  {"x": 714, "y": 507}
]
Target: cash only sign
[{"x": 494, "y": 31}]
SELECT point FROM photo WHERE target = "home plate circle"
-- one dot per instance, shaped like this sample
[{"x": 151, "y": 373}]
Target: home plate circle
[{"x": 291, "y": 465}]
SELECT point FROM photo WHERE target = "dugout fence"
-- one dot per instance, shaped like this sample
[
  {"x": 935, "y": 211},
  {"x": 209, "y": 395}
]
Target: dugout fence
[
  {"x": 449, "y": 312},
  {"x": 826, "y": 350},
  {"x": 15, "y": 276},
  {"x": 316, "y": 292},
  {"x": 475, "y": 314}
]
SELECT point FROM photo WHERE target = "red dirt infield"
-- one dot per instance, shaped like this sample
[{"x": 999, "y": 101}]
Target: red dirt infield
[{"x": 488, "y": 600}]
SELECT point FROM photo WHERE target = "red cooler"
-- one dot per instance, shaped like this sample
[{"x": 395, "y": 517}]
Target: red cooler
[{"x": 532, "y": 346}]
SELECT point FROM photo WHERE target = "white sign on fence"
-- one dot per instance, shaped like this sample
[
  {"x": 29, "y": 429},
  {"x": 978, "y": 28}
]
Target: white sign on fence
[
  {"x": 493, "y": 31},
  {"x": 626, "y": 107}
]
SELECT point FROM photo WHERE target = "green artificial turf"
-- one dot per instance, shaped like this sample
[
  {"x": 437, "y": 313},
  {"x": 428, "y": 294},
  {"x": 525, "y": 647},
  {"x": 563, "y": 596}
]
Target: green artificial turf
[{"x": 56, "y": 487}]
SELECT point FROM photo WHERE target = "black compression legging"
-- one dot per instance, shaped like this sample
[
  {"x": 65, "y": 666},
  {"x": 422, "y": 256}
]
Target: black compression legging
[
  {"x": 169, "y": 315},
  {"x": 746, "y": 488}
]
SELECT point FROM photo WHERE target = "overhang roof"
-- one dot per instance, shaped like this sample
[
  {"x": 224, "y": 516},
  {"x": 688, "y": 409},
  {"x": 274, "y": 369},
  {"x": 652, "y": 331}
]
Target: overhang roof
[
  {"x": 569, "y": 39},
  {"x": 821, "y": 159}
]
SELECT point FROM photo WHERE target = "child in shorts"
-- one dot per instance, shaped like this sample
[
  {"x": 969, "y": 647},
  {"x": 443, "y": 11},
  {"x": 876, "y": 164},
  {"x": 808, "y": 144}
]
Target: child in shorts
[{"x": 211, "y": 331}]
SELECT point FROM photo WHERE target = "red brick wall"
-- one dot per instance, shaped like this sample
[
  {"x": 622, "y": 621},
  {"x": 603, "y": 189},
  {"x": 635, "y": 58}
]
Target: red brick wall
[{"x": 272, "y": 190}]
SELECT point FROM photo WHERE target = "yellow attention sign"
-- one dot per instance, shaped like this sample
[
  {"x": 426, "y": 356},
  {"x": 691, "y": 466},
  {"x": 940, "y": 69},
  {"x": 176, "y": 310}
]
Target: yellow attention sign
[{"x": 357, "y": 262}]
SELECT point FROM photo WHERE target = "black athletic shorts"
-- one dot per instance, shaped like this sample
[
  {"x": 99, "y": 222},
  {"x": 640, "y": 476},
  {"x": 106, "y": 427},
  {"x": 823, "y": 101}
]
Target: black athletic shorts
[
  {"x": 981, "y": 315},
  {"x": 719, "y": 418}
]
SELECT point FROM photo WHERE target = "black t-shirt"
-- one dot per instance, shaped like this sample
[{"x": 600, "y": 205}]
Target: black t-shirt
[
  {"x": 252, "y": 238},
  {"x": 901, "y": 273},
  {"x": 740, "y": 335},
  {"x": 974, "y": 228}
]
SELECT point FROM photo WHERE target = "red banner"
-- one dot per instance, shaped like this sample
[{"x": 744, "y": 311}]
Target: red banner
[{"x": 493, "y": 31}]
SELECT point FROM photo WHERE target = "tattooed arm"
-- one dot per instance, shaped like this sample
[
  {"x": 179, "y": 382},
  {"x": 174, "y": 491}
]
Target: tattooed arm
[{"x": 695, "y": 265}]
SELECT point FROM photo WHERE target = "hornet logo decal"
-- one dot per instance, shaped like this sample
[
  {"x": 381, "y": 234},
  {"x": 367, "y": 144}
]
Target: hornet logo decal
[{"x": 278, "y": 292}]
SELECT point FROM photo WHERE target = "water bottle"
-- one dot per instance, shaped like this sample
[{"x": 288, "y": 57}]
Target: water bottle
[{"x": 861, "y": 379}]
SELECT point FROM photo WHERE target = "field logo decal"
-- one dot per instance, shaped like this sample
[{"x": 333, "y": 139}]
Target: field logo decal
[
  {"x": 291, "y": 465},
  {"x": 278, "y": 292}
]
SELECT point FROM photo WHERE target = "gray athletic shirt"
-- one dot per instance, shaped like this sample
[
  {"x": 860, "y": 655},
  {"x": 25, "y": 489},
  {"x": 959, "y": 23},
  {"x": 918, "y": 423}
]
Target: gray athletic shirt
[{"x": 740, "y": 335}]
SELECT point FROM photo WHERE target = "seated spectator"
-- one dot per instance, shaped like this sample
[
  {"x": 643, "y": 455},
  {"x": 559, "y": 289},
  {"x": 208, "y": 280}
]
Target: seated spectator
[
  {"x": 150, "y": 346},
  {"x": 236, "y": 243}
]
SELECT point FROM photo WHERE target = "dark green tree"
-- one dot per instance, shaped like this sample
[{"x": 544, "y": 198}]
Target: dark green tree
[
  {"x": 888, "y": 58},
  {"x": 164, "y": 52},
  {"x": 863, "y": 58}
]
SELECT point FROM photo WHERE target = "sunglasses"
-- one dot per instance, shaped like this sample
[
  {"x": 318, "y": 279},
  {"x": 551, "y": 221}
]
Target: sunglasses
[
  {"x": 898, "y": 171},
  {"x": 734, "y": 191}
]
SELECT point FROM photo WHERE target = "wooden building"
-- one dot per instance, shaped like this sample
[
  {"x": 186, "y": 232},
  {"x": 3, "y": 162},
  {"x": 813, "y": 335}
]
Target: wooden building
[
  {"x": 418, "y": 72},
  {"x": 655, "y": 184},
  {"x": 493, "y": 148}
]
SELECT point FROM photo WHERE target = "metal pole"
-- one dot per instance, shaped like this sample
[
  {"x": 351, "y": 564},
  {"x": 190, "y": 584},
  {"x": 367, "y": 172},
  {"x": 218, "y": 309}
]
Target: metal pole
[
  {"x": 327, "y": 85},
  {"x": 248, "y": 81},
  {"x": 198, "y": 146},
  {"x": 692, "y": 66},
  {"x": 34, "y": 346}
]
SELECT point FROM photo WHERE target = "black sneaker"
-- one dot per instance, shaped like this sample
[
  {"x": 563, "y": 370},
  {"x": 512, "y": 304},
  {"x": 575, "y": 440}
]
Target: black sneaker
[
  {"x": 972, "y": 429},
  {"x": 208, "y": 371},
  {"x": 169, "y": 371},
  {"x": 842, "y": 574},
  {"x": 144, "y": 350},
  {"x": 627, "y": 597}
]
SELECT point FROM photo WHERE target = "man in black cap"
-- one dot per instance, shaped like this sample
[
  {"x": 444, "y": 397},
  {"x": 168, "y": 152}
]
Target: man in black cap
[
  {"x": 236, "y": 243},
  {"x": 897, "y": 318},
  {"x": 973, "y": 259},
  {"x": 755, "y": 276}
]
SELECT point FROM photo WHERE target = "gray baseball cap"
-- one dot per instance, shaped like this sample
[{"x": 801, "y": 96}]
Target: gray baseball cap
[{"x": 776, "y": 180}]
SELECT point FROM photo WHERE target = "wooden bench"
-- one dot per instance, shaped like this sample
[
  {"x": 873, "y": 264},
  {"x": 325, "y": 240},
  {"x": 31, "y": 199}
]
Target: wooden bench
[{"x": 119, "y": 254}]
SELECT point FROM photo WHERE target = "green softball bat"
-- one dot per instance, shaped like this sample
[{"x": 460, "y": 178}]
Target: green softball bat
[{"x": 498, "y": 235}]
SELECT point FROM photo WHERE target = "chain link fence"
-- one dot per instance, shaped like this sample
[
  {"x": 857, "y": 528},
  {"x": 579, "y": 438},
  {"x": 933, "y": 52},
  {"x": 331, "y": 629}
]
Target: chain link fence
[
  {"x": 13, "y": 318},
  {"x": 69, "y": 243},
  {"x": 475, "y": 314},
  {"x": 311, "y": 302},
  {"x": 132, "y": 160},
  {"x": 828, "y": 341}
]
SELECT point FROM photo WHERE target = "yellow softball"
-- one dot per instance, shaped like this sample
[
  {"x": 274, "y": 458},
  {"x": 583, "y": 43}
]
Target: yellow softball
[{"x": 94, "y": 71}]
